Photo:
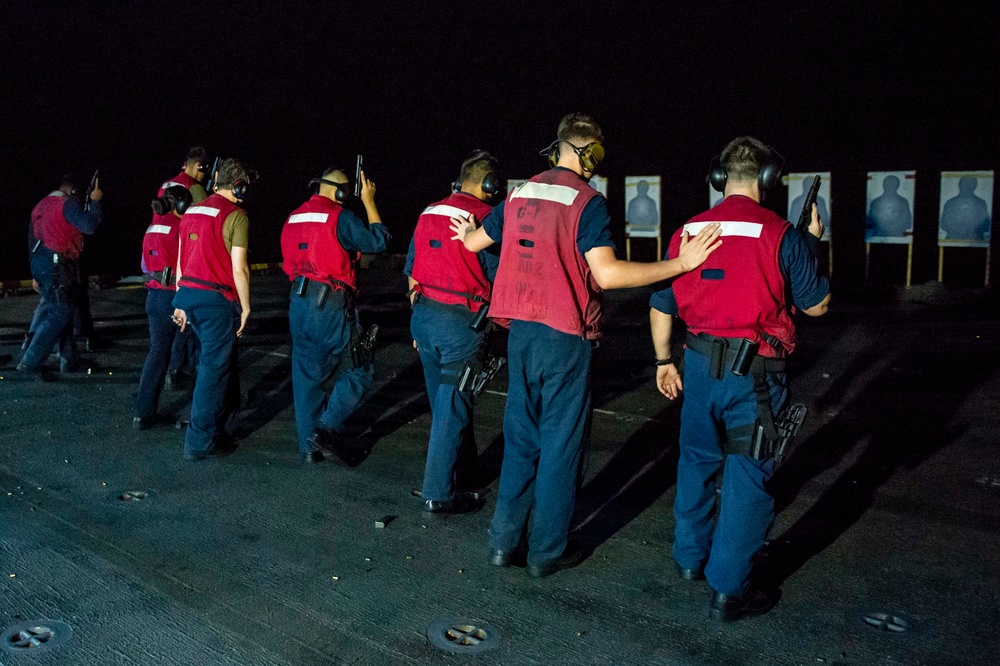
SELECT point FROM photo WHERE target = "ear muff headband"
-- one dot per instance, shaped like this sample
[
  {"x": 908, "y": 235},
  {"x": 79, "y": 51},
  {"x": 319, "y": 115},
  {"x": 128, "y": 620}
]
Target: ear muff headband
[
  {"x": 552, "y": 153},
  {"x": 767, "y": 176},
  {"x": 590, "y": 155},
  {"x": 341, "y": 190}
]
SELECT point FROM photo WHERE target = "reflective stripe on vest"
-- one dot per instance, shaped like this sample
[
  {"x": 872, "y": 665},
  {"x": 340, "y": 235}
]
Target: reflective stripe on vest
[
  {"x": 203, "y": 210},
  {"x": 729, "y": 228},
  {"x": 546, "y": 192},
  {"x": 300, "y": 218}
]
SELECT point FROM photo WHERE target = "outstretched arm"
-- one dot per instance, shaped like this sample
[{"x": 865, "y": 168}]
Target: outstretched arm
[
  {"x": 472, "y": 236},
  {"x": 613, "y": 273}
]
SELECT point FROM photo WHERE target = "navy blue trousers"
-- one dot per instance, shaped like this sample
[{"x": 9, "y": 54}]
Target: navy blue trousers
[
  {"x": 215, "y": 403},
  {"x": 445, "y": 344},
  {"x": 162, "y": 332},
  {"x": 320, "y": 338},
  {"x": 545, "y": 424},
  {"x": 713, "y": 411},
  {"x": 60, "y": 288}
]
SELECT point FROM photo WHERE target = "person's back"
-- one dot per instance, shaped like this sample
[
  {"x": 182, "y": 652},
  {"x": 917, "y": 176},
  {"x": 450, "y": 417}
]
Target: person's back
[
  {"x": 542, "y": 276},
  {"x": 739, "y": 291},
  {"x": 737, "y": 308},
  {"x": 450, "y": 293}
]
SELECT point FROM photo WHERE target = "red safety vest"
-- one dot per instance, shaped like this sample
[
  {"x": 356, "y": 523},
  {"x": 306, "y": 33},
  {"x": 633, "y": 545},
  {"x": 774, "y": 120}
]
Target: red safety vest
[
  {"x": 205, "y": 262},
  {"x": 309, "y": 244},
  {"x": 444, "y": 269},
  {"x": 181, "y": 179},
  {"x": 542, "y": 277},
  {"x": 159, "y": 244},
  {"x": 49, "y": 225},
  {"x": 739, "y": 292}
]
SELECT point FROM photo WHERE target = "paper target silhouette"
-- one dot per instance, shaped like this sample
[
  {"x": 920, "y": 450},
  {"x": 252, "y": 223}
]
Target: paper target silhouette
[
  {"x": 890, "y": 207},
  {"x": 966, "y": 209},
  {"x": 642, "y": 206}
]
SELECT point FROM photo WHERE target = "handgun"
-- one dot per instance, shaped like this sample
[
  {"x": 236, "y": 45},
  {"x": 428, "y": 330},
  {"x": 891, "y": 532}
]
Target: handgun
[
  {"x": 90, "y": 189},
  {"x": 357, "y": 177},
  {"x": 805, "y": 217},
  {"x": 213, "y": 176}
]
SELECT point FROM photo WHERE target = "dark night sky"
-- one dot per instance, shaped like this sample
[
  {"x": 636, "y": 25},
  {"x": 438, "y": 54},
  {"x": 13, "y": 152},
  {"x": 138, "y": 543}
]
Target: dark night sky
[{"x": 290, "y": 87}]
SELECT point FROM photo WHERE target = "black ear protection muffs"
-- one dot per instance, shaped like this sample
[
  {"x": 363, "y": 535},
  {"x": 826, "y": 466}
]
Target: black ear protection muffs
[
  {"x": 342, "y": 191},
  {"x": 491, "y": 183},
  {"x": 590, "y": 155},
  {"x": 202, "y": 167},
  {"x": 767, "y": 177},
  {"x": 716, "y": 174},
  {"x": 175, "y": 199},
  {"x": 770, "y": 173},
  {"x": 240, "y": 188},
  {"x": 182, "y": 200}
]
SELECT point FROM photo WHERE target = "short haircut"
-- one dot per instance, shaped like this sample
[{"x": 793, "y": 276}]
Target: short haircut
[
  {"x": 329, "y": 172},
  {"x": 743, "y": 158},
  {"x": 74, "y": 181},
  {"x": 580, "y": 127},
  {"x": 230, "y": 171},
  {"x": 477, "y": 167},
  {"x": 196, "y": 154}
]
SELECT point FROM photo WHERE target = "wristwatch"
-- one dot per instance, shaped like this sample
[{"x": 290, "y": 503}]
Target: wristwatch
[{"x": 664, "y": 361}]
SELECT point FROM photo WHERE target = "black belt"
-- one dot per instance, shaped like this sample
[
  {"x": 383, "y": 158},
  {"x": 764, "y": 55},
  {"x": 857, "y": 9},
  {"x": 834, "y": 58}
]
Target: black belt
[
  {"x": 722, "y": 352},
  {"x": 424, "y": 299},
  {"x": 164, "y": 277},
  {"x": 337, "y": 284},
  {"x": 206, "y": 283},
  {"x": 302, "y": 285},
  {"x": 463, "y": 294}
]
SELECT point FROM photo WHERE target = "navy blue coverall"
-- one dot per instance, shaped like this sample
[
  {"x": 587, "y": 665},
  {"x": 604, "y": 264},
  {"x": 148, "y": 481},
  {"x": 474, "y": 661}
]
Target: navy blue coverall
[
  {"x": 59, "y": 285},
  {"x": 321, "y": 338},
  {"x": 446, "y": 344},
  {"x": 546, "y": 418},
  {"x": 715, "y": 409}
]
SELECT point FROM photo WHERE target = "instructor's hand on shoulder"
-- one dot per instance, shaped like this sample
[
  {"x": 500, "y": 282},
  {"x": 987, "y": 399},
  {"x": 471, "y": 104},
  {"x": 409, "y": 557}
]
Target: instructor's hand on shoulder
[
  {"x": 462, "y": 226},
  {"x": 694, "y": 251}
]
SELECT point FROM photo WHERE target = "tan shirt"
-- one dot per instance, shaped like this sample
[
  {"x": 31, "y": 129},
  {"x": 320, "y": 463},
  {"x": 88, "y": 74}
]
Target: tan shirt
[{"x": 236, "y": 230}]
